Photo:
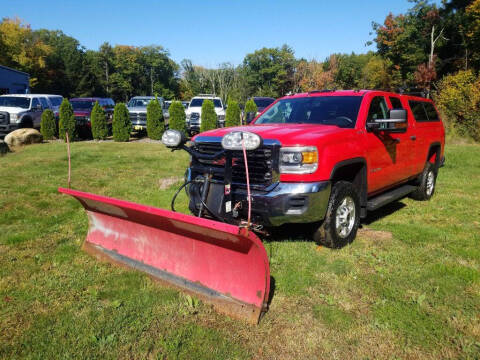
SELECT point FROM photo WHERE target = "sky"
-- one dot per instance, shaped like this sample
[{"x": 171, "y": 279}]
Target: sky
[{"x": 210, "y": 32}]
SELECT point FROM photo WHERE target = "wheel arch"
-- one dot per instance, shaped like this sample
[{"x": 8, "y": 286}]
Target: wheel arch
[
  {"x": 434, "y": 153},
  {"x": 355, "y": 171}
]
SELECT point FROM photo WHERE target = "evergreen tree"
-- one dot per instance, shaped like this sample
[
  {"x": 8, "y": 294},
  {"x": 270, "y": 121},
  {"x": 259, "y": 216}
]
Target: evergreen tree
[
  {"x": 209, "y": 116},
  {"x": 121, "y": 123},
  {"x": 98, "y": 122},
  {"x": 155, "y": 121},
  {"x": 48, "y": 127},
  {"x": 250, "y": 106},
  {"x": 177, "y": 117},
  {"x": 232, "y": 117},
  {"x": 67, "y": 121}
]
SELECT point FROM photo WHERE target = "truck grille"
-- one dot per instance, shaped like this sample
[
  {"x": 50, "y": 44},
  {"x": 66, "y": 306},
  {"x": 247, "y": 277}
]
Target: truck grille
[
  {"x": 141, "y": 117},
  {"x": 260, "y": 164},
  {"x": 4, "y": 118}
]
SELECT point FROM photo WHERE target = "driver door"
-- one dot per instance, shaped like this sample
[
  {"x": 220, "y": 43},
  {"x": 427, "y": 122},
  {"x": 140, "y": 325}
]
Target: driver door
[
  {"x": 36, "y": 112},
  {"x": 386, "y": 150}
]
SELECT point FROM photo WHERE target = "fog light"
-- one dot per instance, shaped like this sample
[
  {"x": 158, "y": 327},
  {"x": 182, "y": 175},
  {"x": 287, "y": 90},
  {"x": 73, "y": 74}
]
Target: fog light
[
  {"x": 173, "y": 138},
  {"x": 233, "y": 140}
]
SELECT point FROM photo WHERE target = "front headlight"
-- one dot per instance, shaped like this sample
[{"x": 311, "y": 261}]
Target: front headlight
[
  {"x": 233, "y": 140},
  {"x": 14, "y": 117},
  {"x": 298, "y": 160}
]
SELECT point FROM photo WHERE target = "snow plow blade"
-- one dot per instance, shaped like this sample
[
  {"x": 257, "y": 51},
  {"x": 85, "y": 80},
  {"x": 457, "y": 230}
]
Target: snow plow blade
[{"x": 220, "y": 263}]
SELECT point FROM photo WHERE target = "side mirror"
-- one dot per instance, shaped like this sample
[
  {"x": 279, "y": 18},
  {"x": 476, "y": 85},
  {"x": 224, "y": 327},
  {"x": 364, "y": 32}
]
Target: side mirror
[
  {"x": 249, "y": 117},
  {"x": 38, "y": 107},
  {"x": 397, "y": 121}
]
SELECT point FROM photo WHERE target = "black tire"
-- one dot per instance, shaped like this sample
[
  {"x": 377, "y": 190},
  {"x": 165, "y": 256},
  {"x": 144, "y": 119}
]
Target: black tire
[
  {"x": 426, "y": 183},
  {"x": 343, "y": 193},
  {"x": 26, "y": 123}
]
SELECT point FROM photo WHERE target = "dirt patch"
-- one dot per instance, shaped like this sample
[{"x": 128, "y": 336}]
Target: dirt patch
[
  {"x": 167, "y": 182},
  {"x": 370, "y": 234}
]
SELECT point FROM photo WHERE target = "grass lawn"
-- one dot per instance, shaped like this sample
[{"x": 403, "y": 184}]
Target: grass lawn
[{"x": 408, "y": 286}]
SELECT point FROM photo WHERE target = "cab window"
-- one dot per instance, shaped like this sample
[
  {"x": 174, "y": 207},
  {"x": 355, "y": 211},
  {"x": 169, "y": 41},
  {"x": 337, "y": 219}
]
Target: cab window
[
  {"x": 396, "y": 103},
  {"x": 35, "y": 103},
  {"x": 378, "y": 110},
  {"x": 44, "y": 103}
]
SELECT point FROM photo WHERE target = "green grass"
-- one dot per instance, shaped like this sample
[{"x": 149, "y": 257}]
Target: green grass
[{"x": 408, "y": 287}]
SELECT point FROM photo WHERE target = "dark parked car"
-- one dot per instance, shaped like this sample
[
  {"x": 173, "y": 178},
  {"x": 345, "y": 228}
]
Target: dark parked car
[
  {"x": 262, "y": 102},
  {"x": 82, "y": 108}
]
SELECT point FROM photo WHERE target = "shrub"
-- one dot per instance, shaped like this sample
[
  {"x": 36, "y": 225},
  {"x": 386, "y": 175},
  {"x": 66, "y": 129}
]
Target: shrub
[
  {"x": 209, "y": 116},
  {"x": 155, "y": 122},
  {"x": 250, "y": 106},
  {"x": 67, "y": 121},
  {"x": 121, "y": 123},
  {"x": 98, "y": 121},
  {"x": 232, "y": 117},
  {"x": 177, "y": 117},
  {"x": 48, "y": 126},
  {"x": 458, "y": 98}
]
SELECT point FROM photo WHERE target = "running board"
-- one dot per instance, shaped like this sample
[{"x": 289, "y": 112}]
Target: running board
[{"x": 389, "y": 196}]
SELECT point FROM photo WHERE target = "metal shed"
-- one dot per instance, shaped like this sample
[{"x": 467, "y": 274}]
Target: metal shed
[{"x": 13, "y": 81}]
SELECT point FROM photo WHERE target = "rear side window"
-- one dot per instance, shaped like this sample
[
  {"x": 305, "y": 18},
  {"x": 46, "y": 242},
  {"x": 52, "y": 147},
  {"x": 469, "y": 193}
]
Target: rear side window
[
  {"x": 431, "y": 112},
  {"x": 44, "y": 103},
  {"x": 423, "y": 111},
  {"x": 396, "y": 103}
]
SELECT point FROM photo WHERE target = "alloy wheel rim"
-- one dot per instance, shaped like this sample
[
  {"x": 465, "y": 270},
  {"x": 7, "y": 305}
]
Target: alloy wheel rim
[
  {"x": 345, "y": 217},
  {"x": 430, "y": 182}
]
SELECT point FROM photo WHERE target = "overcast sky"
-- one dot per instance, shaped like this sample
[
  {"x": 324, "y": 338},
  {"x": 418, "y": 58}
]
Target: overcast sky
[{"x": 210, "y": 32}]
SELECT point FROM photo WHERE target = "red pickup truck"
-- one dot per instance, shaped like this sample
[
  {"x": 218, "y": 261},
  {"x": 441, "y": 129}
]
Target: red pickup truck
[{"x": 325, "y": 157}]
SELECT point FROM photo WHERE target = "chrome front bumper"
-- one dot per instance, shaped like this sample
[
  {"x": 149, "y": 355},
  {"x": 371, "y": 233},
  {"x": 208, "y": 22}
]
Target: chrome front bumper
[{"x": 290, "y": 203}]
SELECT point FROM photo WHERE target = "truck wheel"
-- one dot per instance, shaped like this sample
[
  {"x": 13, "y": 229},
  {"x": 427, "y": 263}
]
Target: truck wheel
[
  {"x": 428, "y": 180},
  {"x": 26, "y": 123},
  {"x": 343, "y": 217}
]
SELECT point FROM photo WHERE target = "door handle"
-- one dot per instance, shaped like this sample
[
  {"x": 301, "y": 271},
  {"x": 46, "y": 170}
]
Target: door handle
[{"x": 413, "y": 137}]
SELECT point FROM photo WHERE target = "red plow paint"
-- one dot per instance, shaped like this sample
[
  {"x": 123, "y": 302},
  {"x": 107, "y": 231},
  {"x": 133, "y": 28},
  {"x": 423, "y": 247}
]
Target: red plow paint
[{"x": 222, "y": 264}]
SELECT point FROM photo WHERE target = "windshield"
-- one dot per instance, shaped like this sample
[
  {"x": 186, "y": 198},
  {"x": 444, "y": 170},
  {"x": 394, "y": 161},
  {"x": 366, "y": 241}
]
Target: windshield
[
  {"x": 198, "y": 102},
  {"x": 56, "y": 101},
  {"x": 263, "y": 103},
  {"x": 341, "y": 111},
  {"x": 139, "y": 102},
  {"x": 13, "y": 101},
  {"x": 82, "y": 105}
]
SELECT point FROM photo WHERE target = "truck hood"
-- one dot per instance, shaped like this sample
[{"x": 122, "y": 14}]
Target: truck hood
[
  {"x": 13, "y": 110},
  {"x": 287, "y": 134},
  {"x": 218, "y": 111}
]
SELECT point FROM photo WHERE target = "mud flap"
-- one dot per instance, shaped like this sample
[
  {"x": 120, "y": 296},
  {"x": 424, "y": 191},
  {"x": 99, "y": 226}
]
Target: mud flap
[{"x": 220, "y": 263}]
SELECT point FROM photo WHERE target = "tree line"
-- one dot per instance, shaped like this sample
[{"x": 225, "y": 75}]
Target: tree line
[{"x": 429, "y": 49}]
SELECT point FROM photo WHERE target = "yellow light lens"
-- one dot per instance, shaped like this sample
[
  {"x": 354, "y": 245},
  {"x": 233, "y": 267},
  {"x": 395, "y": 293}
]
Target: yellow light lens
[{"x": 309, "y": 157}]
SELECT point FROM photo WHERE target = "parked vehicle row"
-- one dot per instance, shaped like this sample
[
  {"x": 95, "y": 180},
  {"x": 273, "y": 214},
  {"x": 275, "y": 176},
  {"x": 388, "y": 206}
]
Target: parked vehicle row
[{"x": 25, "y": 110}]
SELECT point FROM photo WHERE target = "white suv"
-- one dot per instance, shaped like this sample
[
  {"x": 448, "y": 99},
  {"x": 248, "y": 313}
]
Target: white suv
[
  {"x": 194, "y": 112},
  {"x": 22, "y": 111}
]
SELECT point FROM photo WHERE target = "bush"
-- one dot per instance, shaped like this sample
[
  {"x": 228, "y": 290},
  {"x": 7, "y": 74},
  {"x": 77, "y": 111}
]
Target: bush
[
  {"x": 250, "y": 106},
  {"x": 177, "y": 117},
  {"x": 48, "y": 126},
  {"x": 458, "y": 99},
  {"x": 98, "y": 121},
  {"x": 67, "y": 121},
  {"x": 209, "y": 116},
  {"x": 155, "y": 122},
  {"x": 121, "y": 123},
  {"x": 232, "y": 117}
]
